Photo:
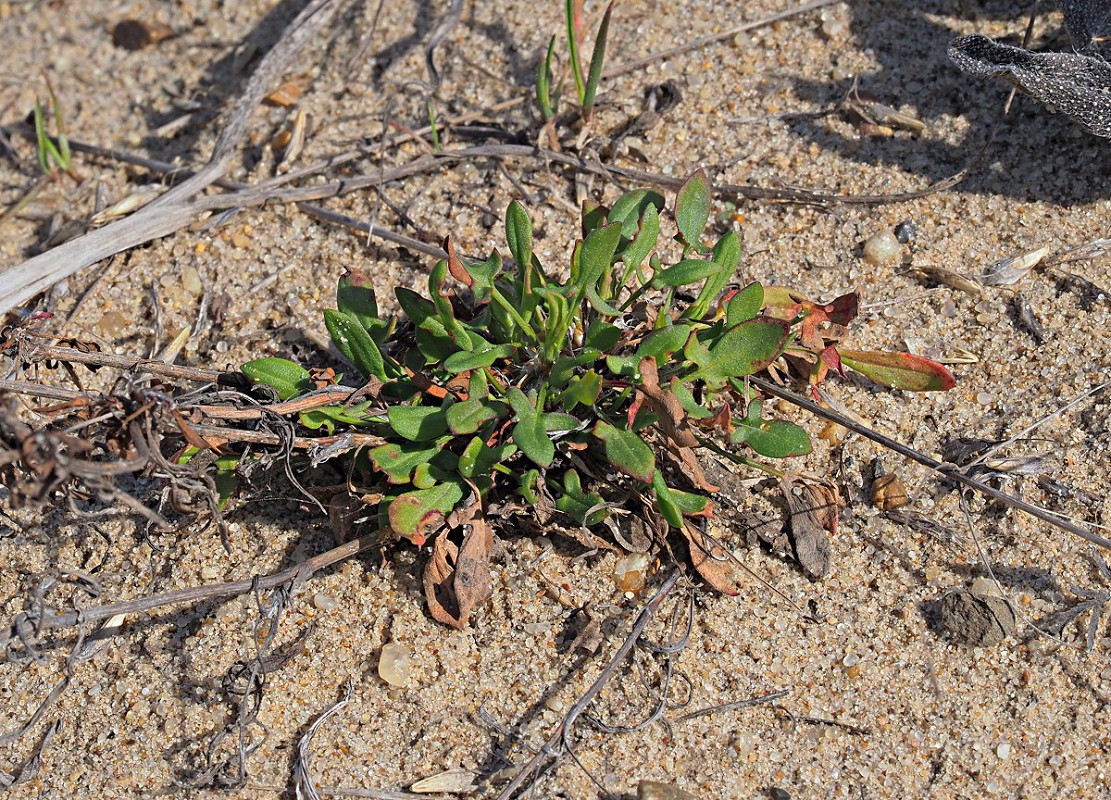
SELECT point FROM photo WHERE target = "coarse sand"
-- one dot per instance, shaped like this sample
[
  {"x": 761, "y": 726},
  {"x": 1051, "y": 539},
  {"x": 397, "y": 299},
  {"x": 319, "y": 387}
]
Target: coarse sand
[{"x": 917, "y": 714}]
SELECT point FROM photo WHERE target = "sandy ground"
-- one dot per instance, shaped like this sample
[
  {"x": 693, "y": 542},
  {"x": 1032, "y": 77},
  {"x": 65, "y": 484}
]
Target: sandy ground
[{"x": 1026, "y": 718}]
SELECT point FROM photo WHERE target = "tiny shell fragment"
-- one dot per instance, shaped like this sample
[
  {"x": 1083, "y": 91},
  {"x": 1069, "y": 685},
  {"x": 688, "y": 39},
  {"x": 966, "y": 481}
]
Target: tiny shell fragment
[
  {"x": 630, "y": 571},
  {"x": 1011, "y": 270},
  {"x": 284, "y": 96}
]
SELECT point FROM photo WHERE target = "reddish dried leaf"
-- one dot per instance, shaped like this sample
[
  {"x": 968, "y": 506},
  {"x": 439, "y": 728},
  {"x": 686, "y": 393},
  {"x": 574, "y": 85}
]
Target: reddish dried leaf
[
  {"x": 711, "y": 562},
  {"x": 455, "y": 266},
  {"x": 673, "y": 419}
]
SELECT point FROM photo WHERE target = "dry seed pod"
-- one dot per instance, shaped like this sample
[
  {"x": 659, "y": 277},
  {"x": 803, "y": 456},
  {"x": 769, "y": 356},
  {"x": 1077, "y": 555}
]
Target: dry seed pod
[
  {"x": 889, "y": 493},
  {"x": 135, "y": 34},
  {"x": 1012, "y": 270},
  {"x": 952, "y": 279},
  {"x": 455, "y": 781}
]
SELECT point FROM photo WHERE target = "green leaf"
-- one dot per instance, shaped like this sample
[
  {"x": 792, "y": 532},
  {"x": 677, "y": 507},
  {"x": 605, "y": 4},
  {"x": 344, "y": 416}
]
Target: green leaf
[
  {"x": 596, "y": 257},
  {"x": 692, "y": 209},
  {"x": 727, "y": 253},
  {"x": 351, "y": 339},
  {"x": 663, "y": 343},
  {"x": 899, "y": 370},
  {"x": 641, "y": 247},
  {"x": 416, "y": 308},
  {"x": 597, "y": 60},
  {"x": 745, "y": 304},
  {"x": 565, "y": 367},
  {"x": 529, "y": 486},
  {"x": 686, "y": 399},
  {"x": 577, "y": 503},
  {"x": 582, "y": 390},
  {"x": 687, "y": 271},
  {"x": 483, "y": 274},
  {"x": 398, "y": 460},
  {"x": 470, "y": 415},
  {"x": 283, "y": 376},
  {"x": 601, "y": 336},
  {"x": 439, "y": 470},
  {"x": 518, "y": 234},
  {"x": 556, "y": 422},
  {"x": 327, "y": 416},
  {"x": 627, "y": 452},
  {"x": 409, "y": 514},
  {"x": 546, "y": 101},
  {"x": 773, "y": 438},
  {"x": 665, "y": 501},
  {"x": 529, "y": 433},
  {"x": 631, "y": 206},
  {"x": 464, "y": 361},
  {"x": 744, "y": 349},
  {"x": 417, "y": 423},
  {"x": 355, "y": 297},
  {"x": 689, "y": 503},
  {"x": 478, "y": 458}
]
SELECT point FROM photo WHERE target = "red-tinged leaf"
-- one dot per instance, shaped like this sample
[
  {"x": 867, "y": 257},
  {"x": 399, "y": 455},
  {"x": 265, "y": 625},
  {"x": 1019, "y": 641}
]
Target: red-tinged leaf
[
  {"x": 782, "y": 303},
  {"x": 412, "y": 514},
  {"x": 711, "y": 562},
  {"x": 843, "y": 309},
  {"x": 899, "y": 370},
  {"x": 454, "y": 265}
]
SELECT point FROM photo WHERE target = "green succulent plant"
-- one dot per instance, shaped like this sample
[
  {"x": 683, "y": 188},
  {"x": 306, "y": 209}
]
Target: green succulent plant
[{"x": 581, "y": 394}]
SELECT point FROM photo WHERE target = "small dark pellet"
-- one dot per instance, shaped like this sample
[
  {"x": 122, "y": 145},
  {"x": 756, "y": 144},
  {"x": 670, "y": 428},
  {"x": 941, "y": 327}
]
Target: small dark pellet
[{"x": 905, "y": 231}]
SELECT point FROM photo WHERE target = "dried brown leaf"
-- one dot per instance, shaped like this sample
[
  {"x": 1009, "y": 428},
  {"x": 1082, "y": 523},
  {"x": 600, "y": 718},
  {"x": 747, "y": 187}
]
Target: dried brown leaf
[
  {"x": 812, "y": 514},
  {"x": 711, "y": 561},
  {"x": 457, "y": 579}
]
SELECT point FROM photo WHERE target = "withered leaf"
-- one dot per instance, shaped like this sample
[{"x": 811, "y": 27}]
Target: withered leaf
[
  {"x": 711, "y": 561},
  {"x": 810, "y": 515},
  {"x": 673, "y": 422},
  {"x": 457, "y": 579}
]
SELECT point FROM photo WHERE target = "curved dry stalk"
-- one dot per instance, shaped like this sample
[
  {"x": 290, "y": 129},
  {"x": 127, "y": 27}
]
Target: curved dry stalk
[
  {"x": 26, "y": 623},
  {"x": 560, "y": 736},
  {"x": 950, "y": 471}
]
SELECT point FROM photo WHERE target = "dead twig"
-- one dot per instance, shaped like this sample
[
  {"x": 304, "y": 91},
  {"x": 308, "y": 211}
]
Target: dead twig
[
  {"x": 948, "y": 470},
  {"x": 561, "y": 737},
  {"x": 26, "y": 623}
]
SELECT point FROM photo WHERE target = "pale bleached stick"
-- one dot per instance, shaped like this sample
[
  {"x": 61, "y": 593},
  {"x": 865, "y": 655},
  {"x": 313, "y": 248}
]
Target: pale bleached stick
[{"x": 177, "y": 207}]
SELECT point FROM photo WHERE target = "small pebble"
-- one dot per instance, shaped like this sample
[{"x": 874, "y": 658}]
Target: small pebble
[
  {"x": 629, "y": 572},
  {"x": 1003, "y": 751},
  {"x": 655, "y": 790},
  {"x": 395, "y": 664},
  {"x": 976, "y": 617},
  {"x": 905, "y": 231},
  {"x": 322, "y": 602},
  {"x": 881, "y": 248},
  {"x": 191, "y": 281}
]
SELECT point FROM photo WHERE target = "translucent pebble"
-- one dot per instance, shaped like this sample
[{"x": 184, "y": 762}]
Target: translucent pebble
[
  {"x": 191, "y": 281},
  {"x": 1003, "y": 751},
  {"x": 850, "y": 660},
  {"x": 322, "y": 602},
  {"x": 882, "y": 248},
  {"x": 629, "y": 572},
  {"x": 395, "y": 665}
]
